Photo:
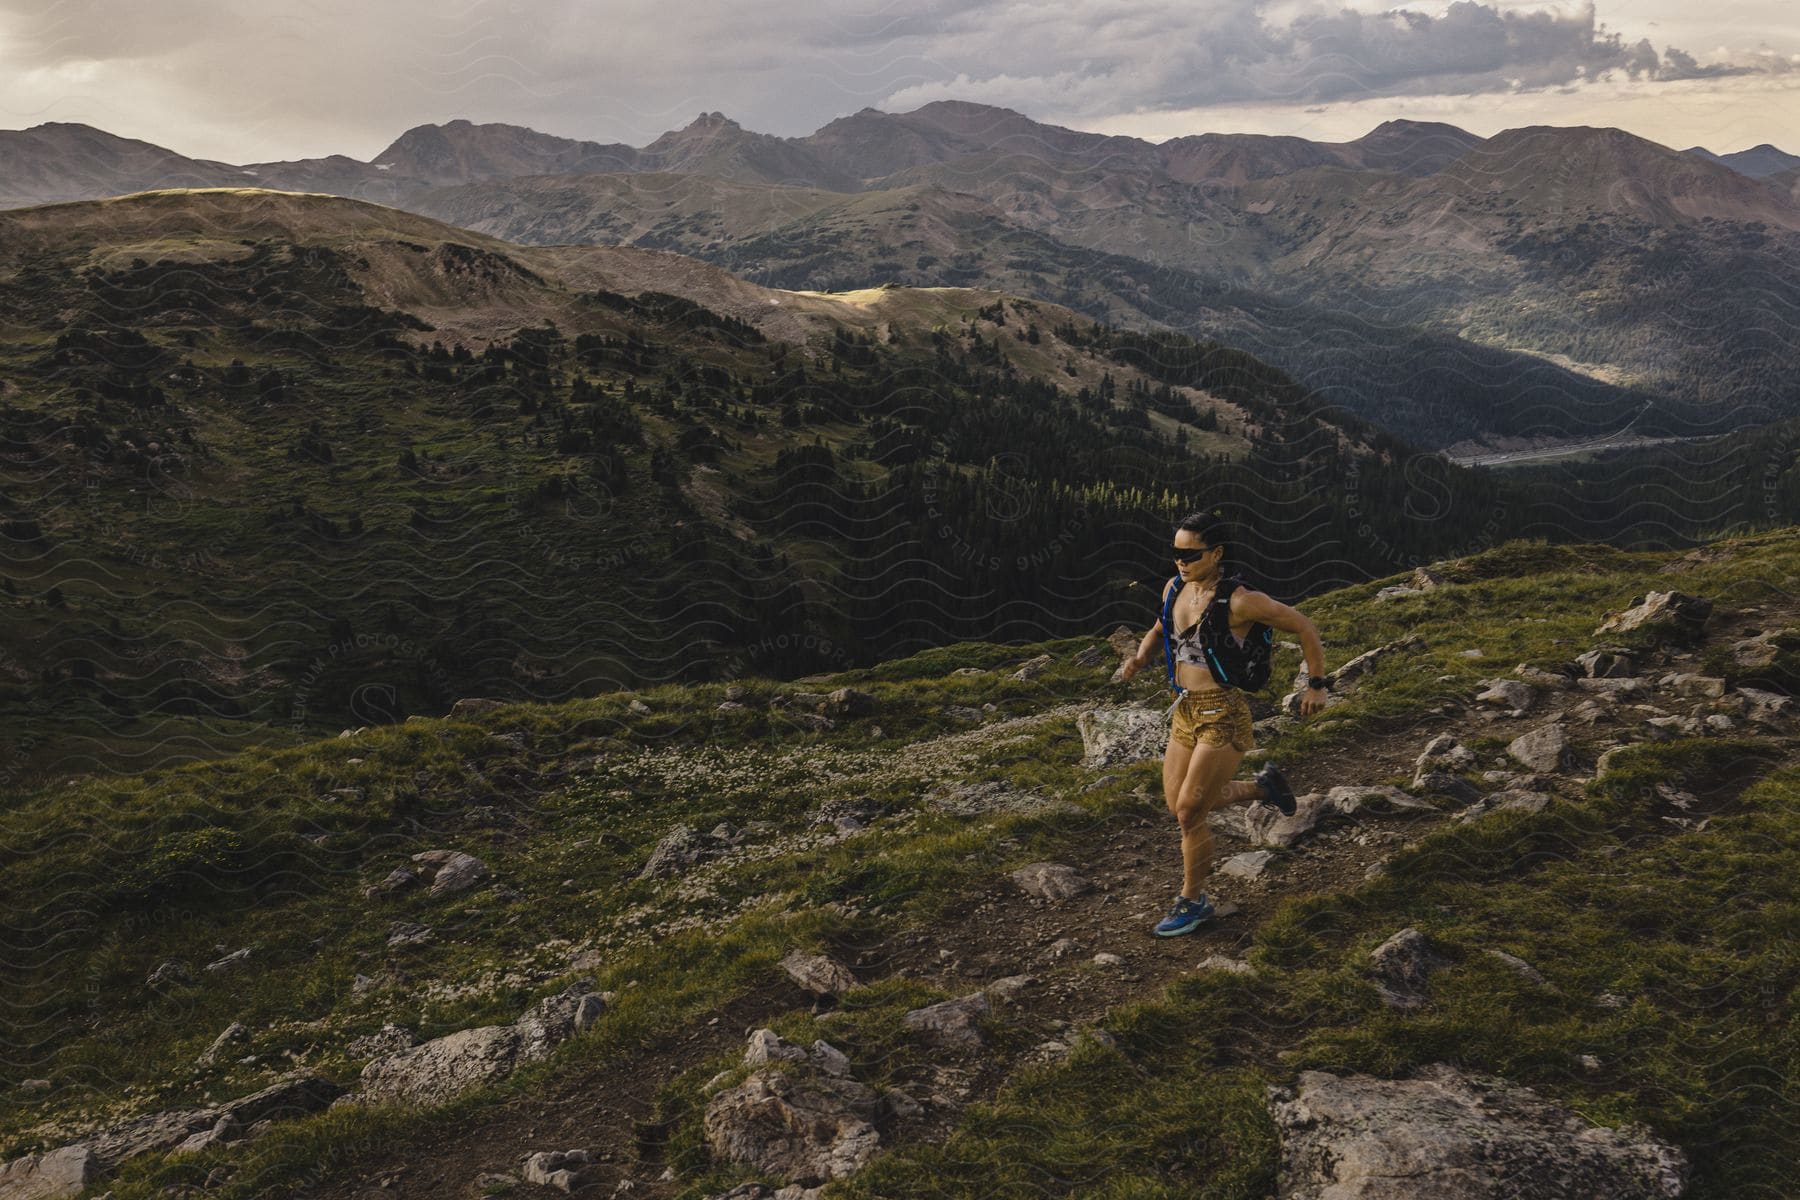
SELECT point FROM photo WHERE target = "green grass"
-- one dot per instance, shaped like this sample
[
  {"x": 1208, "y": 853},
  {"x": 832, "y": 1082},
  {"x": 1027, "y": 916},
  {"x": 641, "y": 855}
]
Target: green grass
[{"x": 113, "y": 876}]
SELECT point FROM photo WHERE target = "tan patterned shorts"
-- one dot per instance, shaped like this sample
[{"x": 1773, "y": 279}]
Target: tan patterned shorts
[{"x": 1218, "y": 718}]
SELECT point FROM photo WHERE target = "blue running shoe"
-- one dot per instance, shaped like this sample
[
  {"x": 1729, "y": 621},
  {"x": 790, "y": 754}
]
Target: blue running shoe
[
  {"x": 1276, "y": 790},
  {"x": 1185, "y": 917}
]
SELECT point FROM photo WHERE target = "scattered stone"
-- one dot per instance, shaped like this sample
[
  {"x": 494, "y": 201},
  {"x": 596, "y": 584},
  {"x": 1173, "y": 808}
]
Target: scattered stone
[
  {"x": 988, "y": 796},
  {"x": 1264, "y": 827},
  {"x": 49, "y": 1176},
  {"x": 1114, "y": 737},
  {"x": 952, "y": 1023},
  {"x": 470, "y": 706},
  {"x": 1093, "y": 656},
  {"x": 1686, "y": 684},
  {"x": 1510, "y": 800},
  {"x": 1605, "y": 662},
  {"x": 225, "y": 1129},
  {"x": 1519, "y": 967},
  {"x": 1587, "y": 712},
  {"x": 445, "y": 1067},
  {"x": 1249, "y": 865},
  {"x": 818, "y": 974},
  {"x": 638, "y": 706},
  {"x": 408, "y": 933},
  {"x": 1629, "y": 688},
  {"x": 236, "y": 1034},
  {"x": 1674, "y": 612},
  {"x": 1452, "y": 787},
  {"x": 1104, "y": 959},
  {"x": 1062, "y": 948},
  {"x": 1444, "y": 1135},
  {"x": 1766, "y": 708},
  {"x": 1429, "y": 577},
  {"x": 1537, "y": 677},
  {"x": 1009, "y": 988},
  {"x": 1231, "y": 966},
  {"x": 1443, "y": 753},
  {"x": 1543, "y": 749},
  {"x": 1720, "y": 723},
  {"x": 803, "y": 1127},
  {"x": 1032, "y": 668},
  {"x": 680, "y": 847},
  {"x": 849, "y": 702},
  {"x": 559, "y": 1169},
  {"x": 1384, "y": 799},
  {"x": 1355, "y": 669},
  {"x": 1662, "y": 729},
  {"x": 1515, "y": 696},
  {"x": 169, "y": 973},
  {"x": 229, "y": 962},
  {"x": 1051, "y": 881},
  {"x": 450, "y": 871},
  {"x": 1397, "y": 592},
  {"x": 386, "y": 1040},
  {"x": 1401, "y": 966}
]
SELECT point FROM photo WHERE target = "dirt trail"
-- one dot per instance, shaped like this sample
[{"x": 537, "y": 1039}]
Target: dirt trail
[{"x": 1133, "y": 859}]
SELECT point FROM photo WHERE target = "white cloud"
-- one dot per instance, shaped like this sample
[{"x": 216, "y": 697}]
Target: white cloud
[{"x": 248, "y": 80}]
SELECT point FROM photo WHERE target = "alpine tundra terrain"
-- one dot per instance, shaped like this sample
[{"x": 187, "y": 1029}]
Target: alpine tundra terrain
[
  {"x": 1545, "y": 283},
  {"x": 884, "y": 932},
  {"x": 275, "y": 464}
]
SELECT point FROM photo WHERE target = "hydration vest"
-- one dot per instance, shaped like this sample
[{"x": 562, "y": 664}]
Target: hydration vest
[{"x": 1243, "y": 666}]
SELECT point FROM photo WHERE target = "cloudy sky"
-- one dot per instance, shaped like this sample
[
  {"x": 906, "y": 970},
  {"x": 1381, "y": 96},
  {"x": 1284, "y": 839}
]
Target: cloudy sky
[{"x": 251, "y": 80}]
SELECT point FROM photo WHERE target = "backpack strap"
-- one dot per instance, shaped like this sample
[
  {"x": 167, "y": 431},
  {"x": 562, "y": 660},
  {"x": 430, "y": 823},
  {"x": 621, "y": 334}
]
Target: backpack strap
[{"x": 1168, "y": 621}]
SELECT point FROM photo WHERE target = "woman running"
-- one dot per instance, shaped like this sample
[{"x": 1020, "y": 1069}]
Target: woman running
[{"x": 1222, "y": 634}]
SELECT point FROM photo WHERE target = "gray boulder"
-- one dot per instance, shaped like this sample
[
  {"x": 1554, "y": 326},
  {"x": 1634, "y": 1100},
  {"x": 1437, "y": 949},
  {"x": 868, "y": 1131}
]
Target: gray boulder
[
  {"x": 559, "y": 1169},
  {"x": 800, "y": 1126},
  {"x": 1509, "y": 800},
  {"x": 1513, "y": 695},
  {"x": 1606, "y": 662},
  {"x": 952, "y": 1023},
  {"x": 450, "y": 871},
  {"x": 1670, "y": 611},
  {"x": 1441, "y": 783},
  {"x": 1112, "y": 737},
  {"x": 1032, "y": 668},
  {"x": 849, "y": 702},
  {"x": 1401, "y": 965},
  {"x": 443, "y": 1068},
  {"x": 1543, "y": 749},
  {"x": 52, "y": 1175},
  {"x": 1443, "y": 1135},
  {"x": 1051, "y": 881},
  {"x": 1443, "y": 753},
  {"x": 818, "y": 974}
]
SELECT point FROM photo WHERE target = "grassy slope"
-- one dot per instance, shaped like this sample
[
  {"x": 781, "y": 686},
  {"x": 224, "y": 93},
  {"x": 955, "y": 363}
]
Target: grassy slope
[{"x": 112, "y": 877}]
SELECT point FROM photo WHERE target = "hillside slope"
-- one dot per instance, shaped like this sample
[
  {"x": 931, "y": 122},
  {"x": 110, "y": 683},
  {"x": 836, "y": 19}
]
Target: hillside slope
[{"x": 1618, "y": 822}]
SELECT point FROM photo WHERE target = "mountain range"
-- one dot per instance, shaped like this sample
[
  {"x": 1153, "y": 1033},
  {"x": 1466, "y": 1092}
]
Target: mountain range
[{"x": 1421, "y": 276}]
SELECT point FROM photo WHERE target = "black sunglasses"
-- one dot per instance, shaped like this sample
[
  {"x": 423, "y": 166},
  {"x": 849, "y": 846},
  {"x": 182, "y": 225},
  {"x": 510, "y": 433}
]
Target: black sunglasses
[{"x": 1191, "y": 555}]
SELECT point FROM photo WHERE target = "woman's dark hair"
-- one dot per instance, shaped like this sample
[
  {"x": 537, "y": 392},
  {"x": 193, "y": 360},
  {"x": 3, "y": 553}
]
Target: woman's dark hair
[{"x": 1214, "y": 529}]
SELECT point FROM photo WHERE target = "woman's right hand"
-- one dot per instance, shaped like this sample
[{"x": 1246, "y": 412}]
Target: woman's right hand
[{"x": 1130, "y": 667}]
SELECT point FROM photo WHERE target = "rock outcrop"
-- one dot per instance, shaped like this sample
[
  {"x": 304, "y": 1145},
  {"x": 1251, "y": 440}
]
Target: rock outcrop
[
  {"x": 443, "y": 1068},
  {"x": 1443, "y": 1135}
]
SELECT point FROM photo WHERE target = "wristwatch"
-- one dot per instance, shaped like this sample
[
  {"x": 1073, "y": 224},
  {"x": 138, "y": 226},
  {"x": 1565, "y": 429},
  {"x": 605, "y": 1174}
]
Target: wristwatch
[{"x": 1319, "y": 681}]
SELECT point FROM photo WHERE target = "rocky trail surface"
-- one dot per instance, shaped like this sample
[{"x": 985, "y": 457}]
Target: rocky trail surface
[{"x": 1034, "y": 956}]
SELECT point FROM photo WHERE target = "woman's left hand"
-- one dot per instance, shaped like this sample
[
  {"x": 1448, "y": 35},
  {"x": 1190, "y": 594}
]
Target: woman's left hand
[{"x": 1312, "y": 700}]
